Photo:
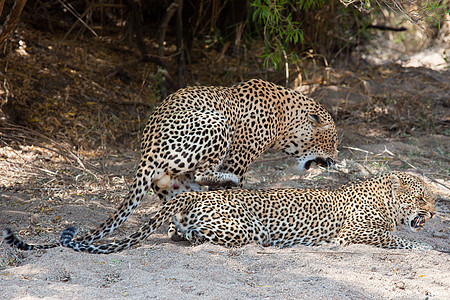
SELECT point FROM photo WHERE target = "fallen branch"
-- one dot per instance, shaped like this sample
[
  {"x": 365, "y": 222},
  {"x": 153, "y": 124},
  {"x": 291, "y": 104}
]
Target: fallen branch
[
  {"x": 412, "y": 166},
  {"x": 11, "y": 19},
  {"x": 400, "y": 159}
]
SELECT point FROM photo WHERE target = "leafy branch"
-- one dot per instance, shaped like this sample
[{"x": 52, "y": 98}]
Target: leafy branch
[{"x": 280, "y": 28}]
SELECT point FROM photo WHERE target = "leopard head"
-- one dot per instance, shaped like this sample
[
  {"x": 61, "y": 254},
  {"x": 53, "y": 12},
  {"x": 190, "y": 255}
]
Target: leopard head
[
  {"x": 312, "y": 137},
  {"x": 415, "y": 200}
]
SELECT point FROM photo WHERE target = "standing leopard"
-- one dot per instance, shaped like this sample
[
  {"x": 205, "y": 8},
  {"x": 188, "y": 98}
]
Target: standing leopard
[
  {"x": 208, "y": 136},
  {"x": 360, "y": 212}
]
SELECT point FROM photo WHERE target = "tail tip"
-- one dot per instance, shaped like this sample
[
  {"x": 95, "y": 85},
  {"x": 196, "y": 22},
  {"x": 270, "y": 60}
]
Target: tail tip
[
  {"x": 8, "y": 236},
  {"x": 67, "y": 236},
  {"x": 7, "y": 232}
]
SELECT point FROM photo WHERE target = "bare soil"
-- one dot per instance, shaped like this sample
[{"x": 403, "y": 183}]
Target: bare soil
[{"x": 74, "y": 170}]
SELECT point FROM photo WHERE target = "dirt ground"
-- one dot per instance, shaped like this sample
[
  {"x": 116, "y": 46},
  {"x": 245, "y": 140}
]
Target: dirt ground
[{"x": 390, "y": 117}]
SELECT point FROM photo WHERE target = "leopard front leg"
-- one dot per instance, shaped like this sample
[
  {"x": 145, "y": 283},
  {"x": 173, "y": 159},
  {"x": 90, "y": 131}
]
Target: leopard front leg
[
  {"x": 380, "y": 238},
  {"x": 208, "y": 177},
  {"x": 395, "y": 242},
  {"x": 238, "y": 160},
  {"x": 374, "y": 233}
]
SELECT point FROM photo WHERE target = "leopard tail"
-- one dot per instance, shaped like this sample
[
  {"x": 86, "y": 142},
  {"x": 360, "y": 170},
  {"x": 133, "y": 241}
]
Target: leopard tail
[
  {"x": 134, "y": 197},
  {"x": 14, "y": 242},
  {"x": 176, "y": 205}
]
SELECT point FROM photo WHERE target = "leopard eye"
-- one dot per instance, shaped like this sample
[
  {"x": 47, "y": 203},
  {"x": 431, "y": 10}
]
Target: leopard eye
[
  {"x": 421, "y": 200},
  {"x": 315, "y": 118}
]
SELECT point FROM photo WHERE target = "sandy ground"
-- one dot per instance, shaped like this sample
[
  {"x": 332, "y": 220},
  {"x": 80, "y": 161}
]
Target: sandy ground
[{"x": 162, "y": 269}]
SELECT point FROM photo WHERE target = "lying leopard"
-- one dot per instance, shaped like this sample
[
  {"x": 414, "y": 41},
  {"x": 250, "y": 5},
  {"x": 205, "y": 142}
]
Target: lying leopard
[
  {"x": 208, "y": 136},
  {"x": 360, "y": 212}
]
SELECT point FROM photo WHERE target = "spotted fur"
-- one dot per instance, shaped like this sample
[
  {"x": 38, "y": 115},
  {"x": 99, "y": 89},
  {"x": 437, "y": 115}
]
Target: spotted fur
[
  {"x": 360, "y": 212},
  {"x": 208, "y": 136}
]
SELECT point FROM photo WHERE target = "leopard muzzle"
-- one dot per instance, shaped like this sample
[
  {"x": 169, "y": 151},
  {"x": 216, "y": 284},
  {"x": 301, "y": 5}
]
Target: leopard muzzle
[
  {"x": 419, "y": 221},
  {"x": 319, "y": 161}
]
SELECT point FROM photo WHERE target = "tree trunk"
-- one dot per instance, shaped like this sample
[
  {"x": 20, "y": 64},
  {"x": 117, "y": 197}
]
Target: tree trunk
[{"x": 12, "y": 18}]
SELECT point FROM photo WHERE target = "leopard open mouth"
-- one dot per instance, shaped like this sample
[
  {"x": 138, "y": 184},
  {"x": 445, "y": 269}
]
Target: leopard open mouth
[
  {"x": 418, "y": 222},
  {"x": 320, "y": 161}
]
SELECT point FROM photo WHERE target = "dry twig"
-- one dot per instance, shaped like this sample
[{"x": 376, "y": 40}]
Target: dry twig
[
  {"x": 36, "y": 138},
  {"x": 400, "y": 159}
]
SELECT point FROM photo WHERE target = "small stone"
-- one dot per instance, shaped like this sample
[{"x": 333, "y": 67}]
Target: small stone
[{"x": 400, "y": 285}]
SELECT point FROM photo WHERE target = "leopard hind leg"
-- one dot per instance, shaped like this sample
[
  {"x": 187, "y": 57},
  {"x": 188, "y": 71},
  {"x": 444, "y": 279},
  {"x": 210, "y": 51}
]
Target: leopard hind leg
[{"x": 178, "y": 185}]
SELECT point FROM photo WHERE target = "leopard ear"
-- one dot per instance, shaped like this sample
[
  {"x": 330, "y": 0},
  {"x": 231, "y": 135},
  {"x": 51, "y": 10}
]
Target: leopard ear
[
  {"x": 397, "y": 183},
  {"x": 317, "y": 122}
]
